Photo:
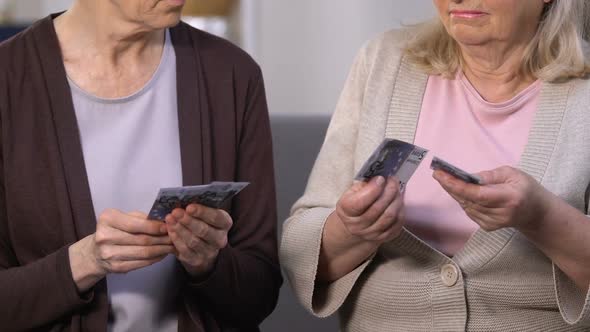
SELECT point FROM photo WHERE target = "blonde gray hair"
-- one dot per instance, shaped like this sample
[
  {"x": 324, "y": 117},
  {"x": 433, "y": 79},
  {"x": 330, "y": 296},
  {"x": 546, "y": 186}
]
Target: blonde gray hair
[{"x": 559, "y": 50}]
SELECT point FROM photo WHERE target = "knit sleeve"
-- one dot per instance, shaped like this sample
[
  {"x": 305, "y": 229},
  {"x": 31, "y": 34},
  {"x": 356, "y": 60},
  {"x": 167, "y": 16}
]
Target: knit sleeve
[{"x": 574, "y": 304}]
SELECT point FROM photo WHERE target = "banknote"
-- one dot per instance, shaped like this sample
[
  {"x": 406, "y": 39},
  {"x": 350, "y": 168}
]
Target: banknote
[
  {"x": 212, "y": 195},
  {"x": 455, "y": 171},
  {"x": 392, "y": 158}
]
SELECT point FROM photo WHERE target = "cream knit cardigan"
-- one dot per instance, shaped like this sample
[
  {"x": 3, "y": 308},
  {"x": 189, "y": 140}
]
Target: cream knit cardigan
[{"x": 505, "y": 283}]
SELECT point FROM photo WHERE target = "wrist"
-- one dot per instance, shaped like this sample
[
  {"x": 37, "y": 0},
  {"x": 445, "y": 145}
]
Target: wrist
[
  {"x": 541, "y": 215},
  {"x": 338, "y": 236},
  {"x": 86, "y": 271},
  {"x": 340, "y": 251},
  {"x": 202, "y": 271}
]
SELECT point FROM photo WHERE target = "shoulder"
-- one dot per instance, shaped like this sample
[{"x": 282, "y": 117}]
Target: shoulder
[
  {"x": 16, "y": 49},
  {"x": 217, "y": 54},
  {"x": 20, "y": 58},
  {"x": 386, "y": 50},
  {"x": 579, "y": 93},
  {"x": 20, "y": 53}
]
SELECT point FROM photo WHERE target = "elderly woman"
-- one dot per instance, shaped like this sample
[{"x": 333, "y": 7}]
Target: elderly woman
[
  {"x": 497, "y": 87},
  {"x": 100, "y": 107}
]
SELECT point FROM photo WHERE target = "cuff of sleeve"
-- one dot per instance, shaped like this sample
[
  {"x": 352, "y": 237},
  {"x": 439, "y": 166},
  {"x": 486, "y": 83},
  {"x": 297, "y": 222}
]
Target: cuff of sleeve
[
  {"x": 573, "y": 303},
  {"x": 218, "y": 278},
  {"x": 300, "y": 251},
  {"x": 69, "y": 288},
  {"x": 329, "y": 297}
]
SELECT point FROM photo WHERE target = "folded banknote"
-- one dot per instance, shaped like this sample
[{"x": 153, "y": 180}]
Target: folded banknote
[
  {"x": 455, "y": 171},
  {"x": 213, "y": 195},
  {"x": 393, "y": 158}
]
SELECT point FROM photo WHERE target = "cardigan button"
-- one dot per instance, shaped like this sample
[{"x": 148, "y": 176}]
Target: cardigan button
[{"x": 449, "y": 275}]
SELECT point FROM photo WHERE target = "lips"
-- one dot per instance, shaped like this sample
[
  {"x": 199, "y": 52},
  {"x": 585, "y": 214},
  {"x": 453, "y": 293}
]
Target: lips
[{"x": 467, "y": 14}]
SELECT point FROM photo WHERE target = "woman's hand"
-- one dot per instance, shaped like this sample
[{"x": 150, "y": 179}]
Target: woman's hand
[
  {"x": 511, "y": 198},
  {"x": 508, "y": 197},
  {"x": 122, "y": 243},
  {"x": 198, "y": 233},
  {"x": 369, "y": 211},
  {"x": 367, "y": 215}
]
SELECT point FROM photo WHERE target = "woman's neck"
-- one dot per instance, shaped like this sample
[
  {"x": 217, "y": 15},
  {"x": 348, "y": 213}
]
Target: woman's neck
[
  {"x": 495, "y": 72},
  {"x": 94, "y": 29},
  {"x": 103, "y": 53}
]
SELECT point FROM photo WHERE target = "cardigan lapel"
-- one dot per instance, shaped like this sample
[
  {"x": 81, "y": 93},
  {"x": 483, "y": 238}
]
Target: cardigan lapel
[
  {"x": 406, "y": 104},
  {"x": 66, "y": 127},
  {"x": 193, "y": 109}
]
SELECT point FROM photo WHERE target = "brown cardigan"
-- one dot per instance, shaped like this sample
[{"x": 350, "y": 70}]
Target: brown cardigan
[{"x": 45, "y": 202}]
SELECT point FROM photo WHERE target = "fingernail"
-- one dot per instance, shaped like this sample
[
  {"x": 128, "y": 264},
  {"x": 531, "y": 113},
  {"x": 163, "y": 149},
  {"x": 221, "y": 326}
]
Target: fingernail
[
  {"x": 380, "y": 180},
  {"x": 191, "y": 209}
]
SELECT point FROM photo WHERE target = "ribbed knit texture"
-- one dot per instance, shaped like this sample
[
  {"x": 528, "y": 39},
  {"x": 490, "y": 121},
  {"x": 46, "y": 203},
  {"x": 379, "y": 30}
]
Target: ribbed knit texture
[{"x": 505, "y": 283}]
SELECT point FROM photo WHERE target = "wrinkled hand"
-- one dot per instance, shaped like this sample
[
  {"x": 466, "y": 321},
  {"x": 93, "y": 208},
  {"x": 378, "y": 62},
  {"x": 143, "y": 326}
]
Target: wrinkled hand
[
  {"x": 371, "y": 211},
  {"x": 198, "y": 233},
  {"x": 508, "y": 197},
  {"x": 123, "y": 242}
]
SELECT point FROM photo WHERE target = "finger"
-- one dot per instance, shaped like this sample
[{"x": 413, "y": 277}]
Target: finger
[
  {"x": 214, "y": 237},
  {"x": 393, "y": 231},
  {"x": 484, "y": 221},
  {"x": 138, "y": 214},
  {"x": 388, "y": 218},
  {"x": 182, "y": 250},
  {"x": 499, "y": 175},
  {"x": 463, "y": 202},
  {"x": 189, "y": 240},
  {"x": 361, "y": 196},
  {"x": 390, "y": 195},
  {"x": 132, "y": 253},
  {"x": 372, "y": 215},
  {"x": 131, "y": 224},
  {"x": 495, "y": 193},
  {"x": 463, "y": 191},
  {"x": 215, "y": 217},
  {"x": 114, "y": 236},
  {"x": 128, "y": 266}
]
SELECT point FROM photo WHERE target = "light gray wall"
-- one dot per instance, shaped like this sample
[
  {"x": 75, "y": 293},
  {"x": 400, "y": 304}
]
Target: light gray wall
[
  {"x": 305, "y": 47},
  {"x": 30, "y": 10}
]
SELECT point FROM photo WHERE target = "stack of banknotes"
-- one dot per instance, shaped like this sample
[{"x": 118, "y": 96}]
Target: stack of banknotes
[{"x": 213, "y": 195}]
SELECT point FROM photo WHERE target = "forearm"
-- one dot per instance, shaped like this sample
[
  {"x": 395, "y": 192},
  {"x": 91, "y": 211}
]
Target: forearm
[
  {"x": 564, "y": 236},
  {"x": 38, "y": 293},
  {"x": 340, "y": 252},
  {"x": 242, "y": 288}
]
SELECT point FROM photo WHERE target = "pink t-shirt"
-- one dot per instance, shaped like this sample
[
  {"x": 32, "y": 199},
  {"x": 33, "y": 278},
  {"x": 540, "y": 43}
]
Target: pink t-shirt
[{"x": 459, "y": 126}]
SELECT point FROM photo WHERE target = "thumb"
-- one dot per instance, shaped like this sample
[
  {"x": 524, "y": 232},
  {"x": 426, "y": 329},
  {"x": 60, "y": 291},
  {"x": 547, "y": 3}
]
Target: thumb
[
  {"x": 497, "y": 176},
  {"x": 362, "y": 195}
]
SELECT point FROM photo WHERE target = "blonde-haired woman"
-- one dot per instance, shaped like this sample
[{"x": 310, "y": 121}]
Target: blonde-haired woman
[{"x": 497, "y": 87}]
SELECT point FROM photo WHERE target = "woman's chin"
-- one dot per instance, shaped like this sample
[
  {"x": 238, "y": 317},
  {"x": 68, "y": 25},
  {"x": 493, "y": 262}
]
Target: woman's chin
[{"x": 470, "y": 38}]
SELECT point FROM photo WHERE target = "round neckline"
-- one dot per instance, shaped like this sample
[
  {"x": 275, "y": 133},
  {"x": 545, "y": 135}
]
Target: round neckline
[
  {"x": 166, "y": 53},
  {"x": 505, "y": 107}
]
